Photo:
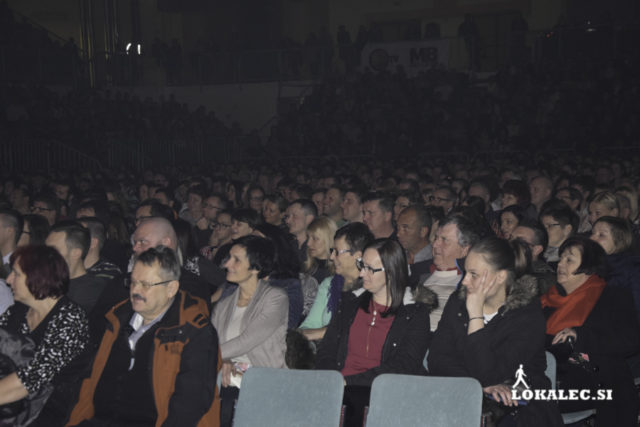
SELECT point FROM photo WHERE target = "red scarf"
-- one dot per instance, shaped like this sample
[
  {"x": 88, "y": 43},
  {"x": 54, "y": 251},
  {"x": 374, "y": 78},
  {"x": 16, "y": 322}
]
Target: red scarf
[
  {"x": 573, "y": 309},
  {"x": 433, "y": 268}
]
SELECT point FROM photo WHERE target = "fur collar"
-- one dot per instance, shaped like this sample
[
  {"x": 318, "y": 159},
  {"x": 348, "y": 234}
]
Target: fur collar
[
  {"x": 523, "y": 291},
  {"x": 426, "y": 296}
]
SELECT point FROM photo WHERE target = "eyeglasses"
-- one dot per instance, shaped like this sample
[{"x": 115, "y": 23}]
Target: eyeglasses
[
  {"x": 130, "y": 284},
  {"x": 219, "y": 224},
  {"x": 367, "y": 268},
  {"x": 338, "y": 253},
  {"x": 40, "y": 209},
  {"x": 208, "y": 206}
]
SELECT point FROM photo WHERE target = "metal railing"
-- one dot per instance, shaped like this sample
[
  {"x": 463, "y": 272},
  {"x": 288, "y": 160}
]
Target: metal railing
[{"x": 44, "y": 156}]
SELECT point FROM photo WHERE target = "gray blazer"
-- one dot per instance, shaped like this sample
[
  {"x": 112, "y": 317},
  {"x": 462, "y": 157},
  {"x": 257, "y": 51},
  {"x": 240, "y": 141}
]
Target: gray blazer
[{"x": 264, "y": 326}]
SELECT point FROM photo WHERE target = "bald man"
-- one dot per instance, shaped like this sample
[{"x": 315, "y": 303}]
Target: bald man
[{"x": 199, "y": 279}]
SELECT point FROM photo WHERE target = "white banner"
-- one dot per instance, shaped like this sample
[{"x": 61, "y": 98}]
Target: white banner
[{"x": 413, "y": 56}]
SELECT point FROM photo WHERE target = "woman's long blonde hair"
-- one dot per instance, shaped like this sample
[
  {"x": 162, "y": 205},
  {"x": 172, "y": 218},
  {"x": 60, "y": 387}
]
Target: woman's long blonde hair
[{"x": 326, "y": 228}]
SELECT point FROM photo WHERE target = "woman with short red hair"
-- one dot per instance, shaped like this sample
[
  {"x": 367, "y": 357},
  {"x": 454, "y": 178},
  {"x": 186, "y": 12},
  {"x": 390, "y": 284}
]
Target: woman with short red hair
[{"x": 42, "y": 336}]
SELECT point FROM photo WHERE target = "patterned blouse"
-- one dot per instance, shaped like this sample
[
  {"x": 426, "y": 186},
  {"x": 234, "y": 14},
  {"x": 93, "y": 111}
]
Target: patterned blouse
[{"x": 64, "y": 335}]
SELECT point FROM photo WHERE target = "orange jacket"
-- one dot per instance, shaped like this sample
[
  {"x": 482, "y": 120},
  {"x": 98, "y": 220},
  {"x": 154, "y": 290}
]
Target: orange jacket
[{"x": 167, "y": 356}]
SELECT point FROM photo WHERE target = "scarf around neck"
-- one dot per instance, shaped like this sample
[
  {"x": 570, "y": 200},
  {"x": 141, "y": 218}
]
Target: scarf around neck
[{"x": 573, "y": 309}]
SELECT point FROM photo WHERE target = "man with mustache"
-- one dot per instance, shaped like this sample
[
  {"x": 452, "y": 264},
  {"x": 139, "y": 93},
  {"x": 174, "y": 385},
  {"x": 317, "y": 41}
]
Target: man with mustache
[{"x": 158, "y": 360}]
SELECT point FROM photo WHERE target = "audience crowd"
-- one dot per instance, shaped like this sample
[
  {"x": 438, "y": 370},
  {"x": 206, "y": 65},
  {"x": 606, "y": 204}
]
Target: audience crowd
[
  {"x": 313, "y": 256},
  {"x": 124, "y": 295}
]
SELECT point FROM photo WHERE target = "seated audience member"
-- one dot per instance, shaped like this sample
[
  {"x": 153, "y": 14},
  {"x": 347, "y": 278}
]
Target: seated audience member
[
  {"x": 194, "y": 206},
  {"x": 574, "y": 199},
  {"x": 220, "y": 237},
  {"x": 534, "y": 235},
  {"x": 541, "y": 189},
  {"x": 317, "y": 197},
  {"x": 492, "y": 326},
  {"x": 165, "y": 196},
  {"x": 303, "y": 191},
  {"x": 454, "y": 238},
  {"x": 73, "y": 241},
  {"x": 444, "y": 197},
  {"x": 561, "y": 222},
  {"x": 299, "y": 215},
  {"x": 46, "y": 333},
  {"x": 157, "y": 362},
  {"x": 94, "y": 263},
  {"x": 604, "y": 203},
  {"x": 151, "y": 208},
  {"x": 273, "y": 210},
  {"x": 516, "y": 192},
  {"x": 475, "y": 203},
  {"x": 403, "y": 200},
  {"x": 34, "y": 231},
  {"x": 414, "y": 226},
  {"x": 377, "y": 214},
  {"x": 192, "y": 261},
  {"x": 254, "y": 198},
  {"x": 627, "y": 193},
  {"x": 233, "y": 191},
  {"x": 46, "y": 204},
  {"x": 480, "y": 187},
  {"x": 348, "y": 245},
  {"x": 591, "y": 330},
  {"x": 11, "y": 225},
  {"x": 331, "y": 204},
  {"x": 286, "y": 272},
  {"x": 510, "y": 217},
  {"x": 211, "y": 207},
  {"x": 154, "y": 232},
  {"x": 352, "y": 204},
  {"x": 375, "y": 333},
  {"x": 252, "y": 321},
  {"x": 623, "y": 265},
  {"x": 243, "y": 222},
  {"x": 319, "y": 239}
]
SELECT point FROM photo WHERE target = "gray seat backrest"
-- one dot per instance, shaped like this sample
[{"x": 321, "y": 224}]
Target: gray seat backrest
[
  {"x": 285, "y": 397},
  {"x": 408, "y": 400}
]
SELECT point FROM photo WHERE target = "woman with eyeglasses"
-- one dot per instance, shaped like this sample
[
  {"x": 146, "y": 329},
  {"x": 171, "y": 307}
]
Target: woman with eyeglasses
[
  {"x": 348, "y": 245},
  {"x": 220, "y": 236},
  {"x": 376, "y": 332}
]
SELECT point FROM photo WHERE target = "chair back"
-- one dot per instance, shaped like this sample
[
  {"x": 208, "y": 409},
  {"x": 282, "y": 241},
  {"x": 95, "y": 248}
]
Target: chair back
[
  {"x": 550, "y": 372},
  {"x": 289, "y": 398},
  {"x": 409, "y": 400}
]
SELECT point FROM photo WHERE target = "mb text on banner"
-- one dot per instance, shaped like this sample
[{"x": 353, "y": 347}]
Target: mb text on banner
[{"x": 413, "y": 56}]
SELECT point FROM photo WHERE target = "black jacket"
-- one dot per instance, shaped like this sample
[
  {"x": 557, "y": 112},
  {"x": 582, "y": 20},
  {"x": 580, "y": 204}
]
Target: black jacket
[
  {"x": 609, "y": 335},
  {"x": 492, "y": 354},
  {"x": 624, "y": 271},
  {"x": 403, "y": 351}
]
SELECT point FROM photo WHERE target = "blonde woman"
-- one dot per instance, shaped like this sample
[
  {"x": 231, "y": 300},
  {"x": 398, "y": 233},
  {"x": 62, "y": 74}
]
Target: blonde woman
[
  {"x": 604, "y": 203},
  {"x": 319, "y": 239}
]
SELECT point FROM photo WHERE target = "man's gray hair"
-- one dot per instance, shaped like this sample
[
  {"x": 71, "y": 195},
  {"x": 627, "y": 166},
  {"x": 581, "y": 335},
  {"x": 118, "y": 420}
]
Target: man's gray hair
[
  {"x": 166, "y": 258},
  {"x": 468, "y": 233}
]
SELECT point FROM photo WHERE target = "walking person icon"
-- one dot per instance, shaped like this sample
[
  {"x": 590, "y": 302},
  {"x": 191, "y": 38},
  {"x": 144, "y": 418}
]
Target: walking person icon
[{"x": 520, "y": 377}]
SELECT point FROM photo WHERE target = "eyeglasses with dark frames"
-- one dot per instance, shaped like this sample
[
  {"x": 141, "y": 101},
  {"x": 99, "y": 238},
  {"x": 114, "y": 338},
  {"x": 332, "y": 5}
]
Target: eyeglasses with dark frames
[
  {"x": 367, "y": 268},
  {"x": 129, "y": 283},
  {"x": 340, "y": 252}
]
